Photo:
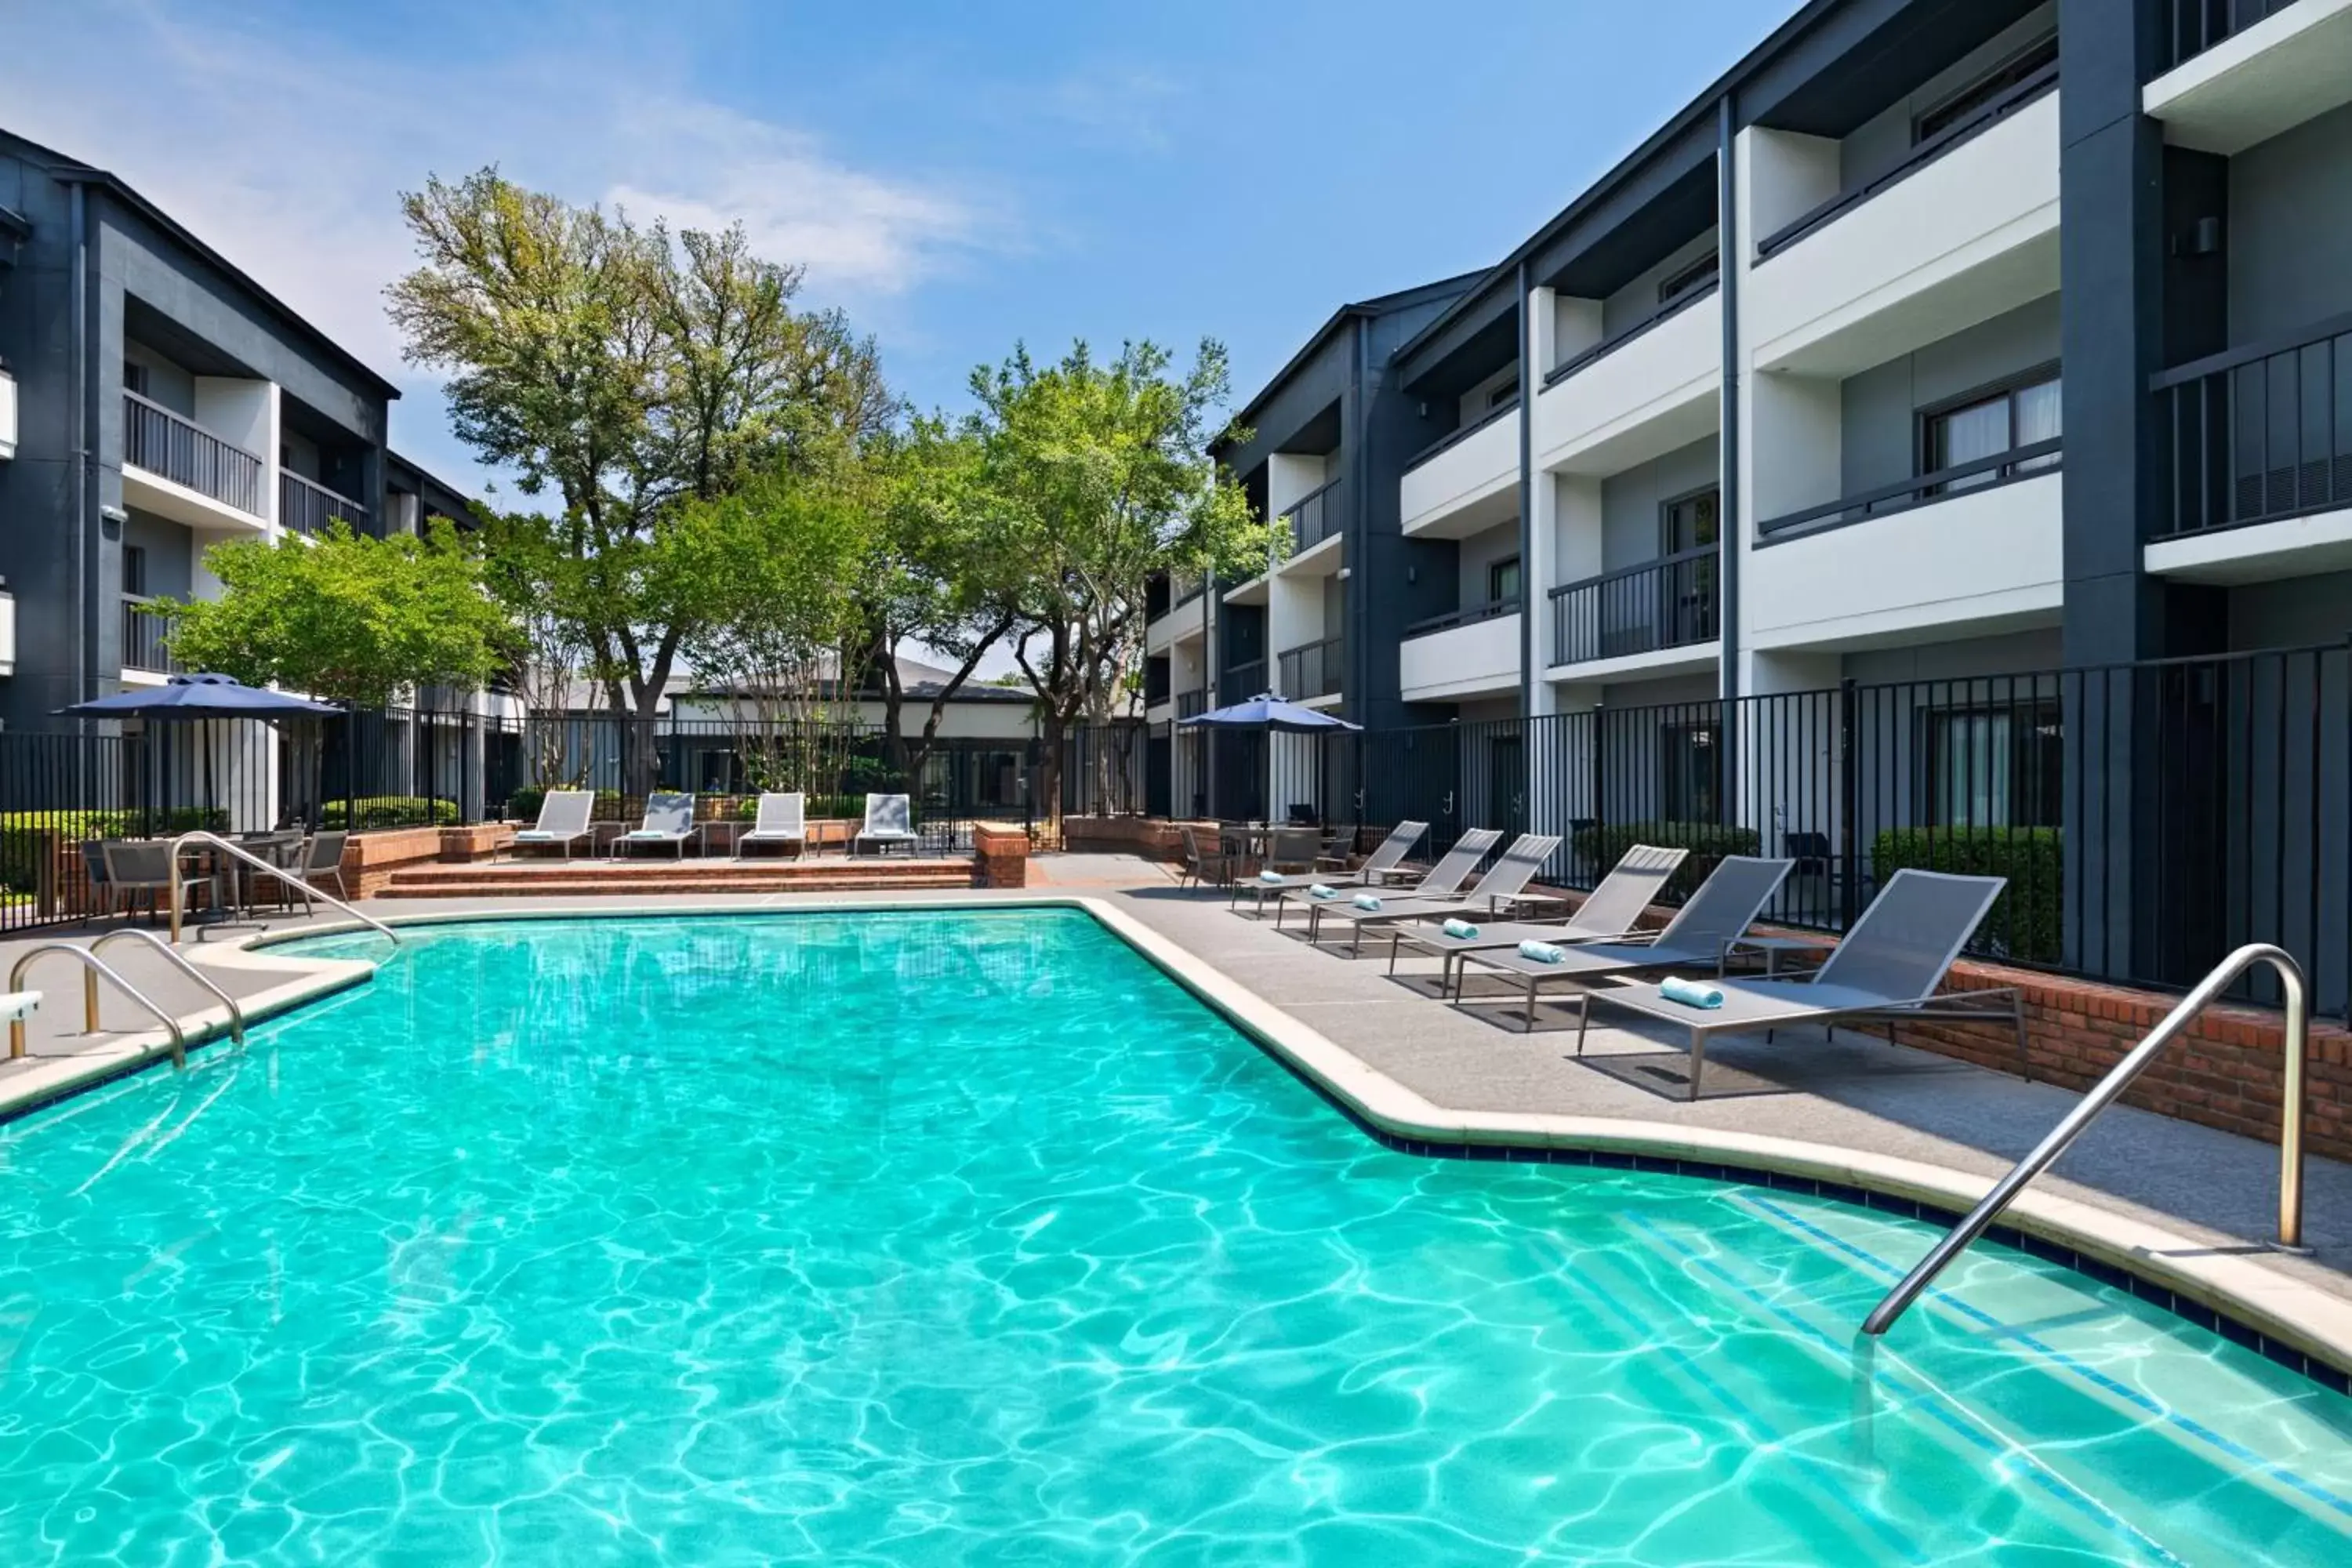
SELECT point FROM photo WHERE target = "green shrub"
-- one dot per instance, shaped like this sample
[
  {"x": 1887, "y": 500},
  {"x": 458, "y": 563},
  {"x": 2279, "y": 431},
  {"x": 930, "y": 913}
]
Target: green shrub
[
  {"x": 392, "y": 811},
  {"x": 22, "y": 833},
  {"x": 2026, "y": 921},
  {"x": 524, "y": 804},
  {"x": 1602, "y": 845}
]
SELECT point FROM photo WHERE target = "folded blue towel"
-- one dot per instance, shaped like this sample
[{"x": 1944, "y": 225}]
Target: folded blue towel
[
  {"x": 649, "y": 833},
  {"x": 533, "y": 833},
  {"x": 1366, "y": 903},
  {"x": 1692, "y": 993},
  {"x": 1542, "y": 951},
  {"x": 1462, "y": 929},
  {"x": 1272, "y": 878},
  {"x": 1322, "y": 891}
]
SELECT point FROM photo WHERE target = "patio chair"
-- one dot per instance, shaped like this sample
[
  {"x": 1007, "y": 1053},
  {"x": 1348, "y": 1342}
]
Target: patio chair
[
  {"x": 93, "y": 861},
  {"x": 1378, "y": 865},
  {"x": 1505, "y": 881},
  {"x": 1888, "y": 967},
  {"x": 1202, "y": 866},
  {"x": 889, "y": 820},
  {"x": 668, "y": 824},
  {"x": 1709, "y": 921},
  {"x": 1610, "y": 913},
  {"x": 323, "y": 861},
  {"x": 782, "y": 820},
  {"x": 136, "y": 866},
  {"x": 1441, "y": 880},
  {"x": 284, "y": 852},
  {"x": 562, "y": 821}
]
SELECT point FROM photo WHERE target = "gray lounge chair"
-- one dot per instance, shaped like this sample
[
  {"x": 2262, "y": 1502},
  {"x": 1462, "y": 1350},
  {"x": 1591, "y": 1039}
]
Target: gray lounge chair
[
  {"x": 1202, "y": 866},
  {"x": 1378, "y": 866},
  {"x": 1611, "y": 912},
  {"x": 1503, "y": 884},
  {"x": 562, "y": 821},
  {"x": 782, "y": 820},
  {"x": 1714, "y": 916},
  {"x": 889, "y": 820},
  {"x": 1888, "y": 967},
  {"x": 1440, "y": 881},
  {"x": 668, "y": 824}
]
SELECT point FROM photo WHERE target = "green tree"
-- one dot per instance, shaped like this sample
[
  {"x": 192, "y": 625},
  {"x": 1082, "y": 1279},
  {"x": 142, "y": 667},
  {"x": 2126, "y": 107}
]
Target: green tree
[
  {"x": 1101, "y": 475},
  {"x": 635, "y": 373},
  {"x": 347, "y": 617}
]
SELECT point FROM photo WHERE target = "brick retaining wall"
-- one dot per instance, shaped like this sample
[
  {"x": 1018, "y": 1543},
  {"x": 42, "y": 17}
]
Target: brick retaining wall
[{"x": 1000, "y": 855}]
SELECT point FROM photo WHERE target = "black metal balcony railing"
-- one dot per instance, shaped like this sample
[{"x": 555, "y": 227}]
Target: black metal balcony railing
[
  {"x": 143, "y": 639},
  {"x": 1313, "y": 670},
  {"x": 1315, "y": 517},
  {"x": 1244, "y": 681},
  {"x": 2027, "y": 463},
  {"x": 1465, "y": 617},
  {"x": 306, "y": 507},
  {"x": 165, "y": 443},
  {"x": 1189, "y": 704},
  {"x": 1658, "y": 317},
  {"x": 2192, "y": 27},
  {"x": 1504, "y": 410},
  {"x": 1672, "y": 602},
  {"x": 2261, "y": 432},
  {"x": 1993, "y": 111},
  {"x": 1183, "y": 589},
  {"x": 1155, "y": 682}
]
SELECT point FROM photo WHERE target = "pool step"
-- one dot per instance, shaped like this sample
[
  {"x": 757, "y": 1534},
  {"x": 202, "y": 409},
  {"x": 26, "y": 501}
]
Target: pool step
[{"x": 593, "y": 879}]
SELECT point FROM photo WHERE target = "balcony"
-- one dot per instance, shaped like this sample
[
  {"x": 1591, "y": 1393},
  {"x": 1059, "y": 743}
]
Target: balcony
[
  {"x": 1315, "y": 517},
  {"x": 176, "y": 469},
  {"x": 144, "y": 637},
  {"x": 1674, "y": 602},
  {"x": 1965, "y": 228},
  {"x": 1244, "y": 681},
  {"x": 2245, "y": 70},
  {"x": 1466, "y": 481},
  {"x": 306, "y": 507},
  {"x": 1653, "y": 388},
  {"x": 7, "y": 415},
  {"x": 1193, "y": 703},
  {"x": 2259, "y": 460},
  {"x": 1313, "y": 670},
  {"x": 1472, "y": 653}
]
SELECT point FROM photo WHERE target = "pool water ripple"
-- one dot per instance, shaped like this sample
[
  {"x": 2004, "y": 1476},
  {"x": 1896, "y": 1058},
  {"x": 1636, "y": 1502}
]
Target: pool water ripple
[{"x": 953, "y": 1238}]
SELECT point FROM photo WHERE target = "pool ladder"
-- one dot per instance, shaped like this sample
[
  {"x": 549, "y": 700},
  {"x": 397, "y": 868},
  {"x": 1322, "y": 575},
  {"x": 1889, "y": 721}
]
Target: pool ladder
[
  {"x": 94, "y": 969},
  {"x": 215, "y": 841},
  {"x": 2061, "y": 1137}
]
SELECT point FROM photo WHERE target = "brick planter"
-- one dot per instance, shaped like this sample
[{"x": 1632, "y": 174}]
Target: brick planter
[
  {"x": 1154, "y": 837},
  {"x": 1000, "y": 855},
  {"x": 371, "y": 859},
  {"x": 480, "y": 842}
]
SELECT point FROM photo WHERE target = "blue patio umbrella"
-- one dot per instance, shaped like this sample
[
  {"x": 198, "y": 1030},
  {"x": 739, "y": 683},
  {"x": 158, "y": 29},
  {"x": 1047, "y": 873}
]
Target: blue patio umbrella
[
  {"x": 199, "y": 698},
  {"x": 1267, "y": 713}
]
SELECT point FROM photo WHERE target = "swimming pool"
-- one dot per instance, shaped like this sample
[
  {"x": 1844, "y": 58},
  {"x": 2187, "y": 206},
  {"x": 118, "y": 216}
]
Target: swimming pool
[{"x": 963, "y": 1237}]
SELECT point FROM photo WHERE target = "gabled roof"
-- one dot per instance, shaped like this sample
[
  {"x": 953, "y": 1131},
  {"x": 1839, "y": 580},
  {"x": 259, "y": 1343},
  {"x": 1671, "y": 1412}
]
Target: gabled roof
[
  {"x": 1378, "y": 305},
  {"x": 74, "y": 171}
]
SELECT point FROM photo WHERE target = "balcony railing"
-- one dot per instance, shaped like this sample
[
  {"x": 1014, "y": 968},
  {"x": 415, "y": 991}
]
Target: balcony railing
[
  {"x": 1672, "y": 602},
  {"x": 143, "y": 639},
  {"x": 166, "y": 445},
  {"x": 1992, "y": 111},
  {"x": 1313, "y": 670},
  {"x": 1658, "y": 317},
  {"x": 2262, "y": 432},
  {"x": 1189, "y": 704},
  {"x": 1315, "y": 517},
  {"x": 1465, "y": 617},
  {"x": 1244, "y": 681},
  {"x": 2192, "y": 27},
  {"x": 1183, "y": 589},
  {"x": 2027, "y": 463},
  {"x": 306, "y": 507},
  {"x": 1456, "y": 437}
]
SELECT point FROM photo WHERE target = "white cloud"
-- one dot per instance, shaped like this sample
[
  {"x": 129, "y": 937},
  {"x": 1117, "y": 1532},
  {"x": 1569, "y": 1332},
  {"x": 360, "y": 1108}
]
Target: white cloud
[{"x": 286, "y": 153}]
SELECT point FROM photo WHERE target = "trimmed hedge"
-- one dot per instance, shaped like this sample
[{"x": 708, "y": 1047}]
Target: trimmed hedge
[
  {"x": 2026, "y": 921},
  {"x": 392, "y": 811},
  {"x": 1601, "y": 846},
  {"x": 21, "y": 833}
]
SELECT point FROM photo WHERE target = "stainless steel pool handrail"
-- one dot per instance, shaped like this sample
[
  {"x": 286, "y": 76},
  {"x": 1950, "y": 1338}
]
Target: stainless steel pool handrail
[
  {"x": 180, "y": 847},
  {"x": 165, "y": 950},
  {"x": 2102, "y": 1094},
  {"x": 94, "y": 968}
]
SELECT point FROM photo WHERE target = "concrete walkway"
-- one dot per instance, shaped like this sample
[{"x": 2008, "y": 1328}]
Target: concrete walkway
[{"x": 1856, "y": 1093}]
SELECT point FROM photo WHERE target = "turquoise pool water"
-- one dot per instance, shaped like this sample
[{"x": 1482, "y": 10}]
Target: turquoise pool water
[{"x": 972, "y": 1238}]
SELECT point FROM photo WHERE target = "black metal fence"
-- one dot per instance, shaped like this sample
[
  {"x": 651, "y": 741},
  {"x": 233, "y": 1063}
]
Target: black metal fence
[{"x": 2148, "y": 817}]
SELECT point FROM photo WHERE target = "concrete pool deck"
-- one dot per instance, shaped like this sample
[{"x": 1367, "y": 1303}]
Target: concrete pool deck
[{"x": 2185, "y": 1205}]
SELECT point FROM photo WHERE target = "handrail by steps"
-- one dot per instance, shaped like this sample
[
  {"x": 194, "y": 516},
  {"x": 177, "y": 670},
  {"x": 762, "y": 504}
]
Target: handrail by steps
[
  {"x": 164, "y": 949},
  {"x": 2105, "y": 1093},
  {"x": 180, "y": 849},
  {"x": 94, "y": 968}
]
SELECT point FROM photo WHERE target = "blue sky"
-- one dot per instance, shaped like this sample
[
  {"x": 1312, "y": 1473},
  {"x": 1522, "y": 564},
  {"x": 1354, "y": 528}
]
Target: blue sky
[{"x": 955, "y": 176}]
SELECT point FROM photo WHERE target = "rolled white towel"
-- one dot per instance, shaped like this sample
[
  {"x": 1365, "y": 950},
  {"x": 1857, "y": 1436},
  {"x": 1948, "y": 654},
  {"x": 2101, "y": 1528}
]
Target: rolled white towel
[
  {"x": 1692, "y": 993},
  {"x": 1460, "y": 928},
  {"x": 1271, "y": 878},
  {"x": 1323, "y": 890},
  {"x": 1366, "y": 903},
  {"x": 1542, "y": 951}
]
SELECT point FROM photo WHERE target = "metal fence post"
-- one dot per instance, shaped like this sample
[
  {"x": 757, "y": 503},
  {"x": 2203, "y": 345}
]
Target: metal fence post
[{"x": 1849, "y": 807}]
